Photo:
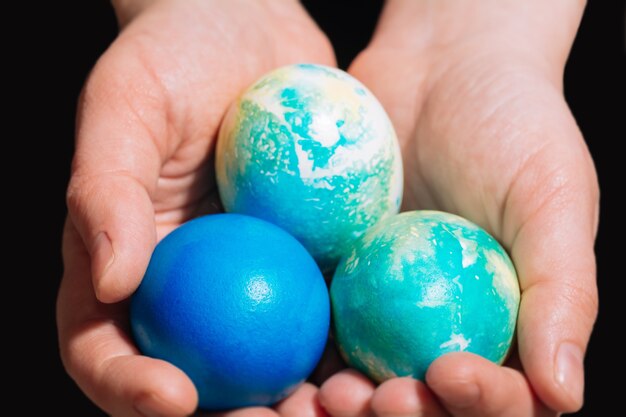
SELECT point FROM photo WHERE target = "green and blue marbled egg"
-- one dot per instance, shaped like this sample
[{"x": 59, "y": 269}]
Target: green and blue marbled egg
[
  {"x": 309, "y": 148},
  {"x": 418, "y": 285}
]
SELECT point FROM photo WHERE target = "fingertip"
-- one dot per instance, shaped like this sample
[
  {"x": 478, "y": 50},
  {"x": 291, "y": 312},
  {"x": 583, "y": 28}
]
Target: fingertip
[
  {"x": 149, "y": 405},
  {"x": 162, "y": 388},
  {"x": 560, "y": 382},
  {"x": 405, "y": 397},
  {"x": 347, "y": 394},
  {"x": 243, "y": 412},
  {"x": 551, "y": 345},
  {"x": 102, "y": 254},
  {"x": 452, "y": 378},
  {"x": 107, "y": 288},
  {"x": 114, "y": 286},
  {"x": 468, "y": 384},
  {"x": 136, "y": 383},
  {"x": 304, "y": 402}
]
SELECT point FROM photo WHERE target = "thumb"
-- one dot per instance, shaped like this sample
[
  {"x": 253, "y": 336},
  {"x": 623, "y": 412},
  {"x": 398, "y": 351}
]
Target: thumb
[
  {"x": 559, "y": 304},
  {"x": 114, "y": 216},
  {"x": 553, "y": 249},
  {"x": 115, "y": 171}
]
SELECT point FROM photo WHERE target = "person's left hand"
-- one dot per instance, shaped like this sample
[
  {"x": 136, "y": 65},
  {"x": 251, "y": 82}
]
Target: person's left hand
[{"x": 474, "y": 92}]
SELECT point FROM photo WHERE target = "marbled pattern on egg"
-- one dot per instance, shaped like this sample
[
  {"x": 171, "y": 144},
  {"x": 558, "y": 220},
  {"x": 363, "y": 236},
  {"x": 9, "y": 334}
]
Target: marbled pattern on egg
[
  {"x": 418, "y": 285},
  {"x": 310, "y": 149}
]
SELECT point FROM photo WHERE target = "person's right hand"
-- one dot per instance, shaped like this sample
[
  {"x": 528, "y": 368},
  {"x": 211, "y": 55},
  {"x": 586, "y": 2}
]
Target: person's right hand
[{"x": 147, "y": 122}]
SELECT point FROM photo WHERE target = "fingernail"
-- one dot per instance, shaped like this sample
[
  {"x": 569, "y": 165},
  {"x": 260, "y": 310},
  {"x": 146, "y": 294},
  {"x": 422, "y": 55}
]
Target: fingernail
[
  {"x": 569, "y": 373},
  {"x": 102, "y": 254}
]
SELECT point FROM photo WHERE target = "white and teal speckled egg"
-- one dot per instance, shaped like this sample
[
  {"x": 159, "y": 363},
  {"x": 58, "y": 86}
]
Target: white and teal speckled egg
[
  {"x": 418, "y": 285},
  {"x": 309, "y": 148}
]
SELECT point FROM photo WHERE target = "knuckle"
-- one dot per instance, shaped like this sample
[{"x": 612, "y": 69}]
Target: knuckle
[
  {"x": 582, "y": 298},
  {"x": 74, "y": 194},
  {"x": 568, "y": 306},
  {"x": 68, "y": 354},
  {"x": 79, "y": 192}
]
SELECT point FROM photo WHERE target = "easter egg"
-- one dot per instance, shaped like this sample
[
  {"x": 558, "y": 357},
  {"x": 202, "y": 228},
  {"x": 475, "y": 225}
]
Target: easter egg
[
  {"x": 238, "y": 304},
  {"x": 309, "y": 148},
  {"x": 418, "y": 285}
]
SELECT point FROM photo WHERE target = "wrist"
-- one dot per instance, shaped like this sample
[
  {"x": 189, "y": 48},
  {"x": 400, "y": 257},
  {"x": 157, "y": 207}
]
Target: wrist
[
  {"x": 127, "y": 10},
  {"x": 543, "y": 28}
]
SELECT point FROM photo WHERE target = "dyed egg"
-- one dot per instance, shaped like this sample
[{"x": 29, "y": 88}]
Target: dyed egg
[
  {"x": 419, "y": 285},
  {"x": 309, "y": 148},
  {"x": 236, "y": 303}
]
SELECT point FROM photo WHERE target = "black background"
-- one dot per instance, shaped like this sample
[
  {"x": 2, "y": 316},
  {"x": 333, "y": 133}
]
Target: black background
[{"x": 54, "y": 66}]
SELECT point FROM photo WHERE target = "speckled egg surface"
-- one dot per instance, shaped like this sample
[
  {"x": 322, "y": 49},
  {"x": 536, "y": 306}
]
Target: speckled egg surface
[
  {"x": 309, "y": 148},
  {"x": 419, "y": 285},
  {"x": 236, "y": 303}
]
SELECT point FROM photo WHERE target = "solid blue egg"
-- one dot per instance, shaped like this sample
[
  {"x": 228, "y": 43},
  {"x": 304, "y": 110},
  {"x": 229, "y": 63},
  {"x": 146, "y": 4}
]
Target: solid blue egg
[{"x": 238, "y": 304}]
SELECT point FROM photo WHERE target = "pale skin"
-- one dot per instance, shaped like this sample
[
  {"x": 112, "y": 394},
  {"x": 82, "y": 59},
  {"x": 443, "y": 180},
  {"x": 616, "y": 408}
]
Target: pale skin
[{"x": 474, "y": 91}]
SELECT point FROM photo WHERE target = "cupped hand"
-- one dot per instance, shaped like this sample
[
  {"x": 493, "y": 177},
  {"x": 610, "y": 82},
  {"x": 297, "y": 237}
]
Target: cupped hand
[
  {"x": 475, "y": 94},
  {"x": 147, "y": 122}
]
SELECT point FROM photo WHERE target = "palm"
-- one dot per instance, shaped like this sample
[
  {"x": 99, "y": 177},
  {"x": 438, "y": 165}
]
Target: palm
[
  {"x": 472, "y": 134},
  {"x": 188, "y": 80},
  {"x": 487, "y": 136}
]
